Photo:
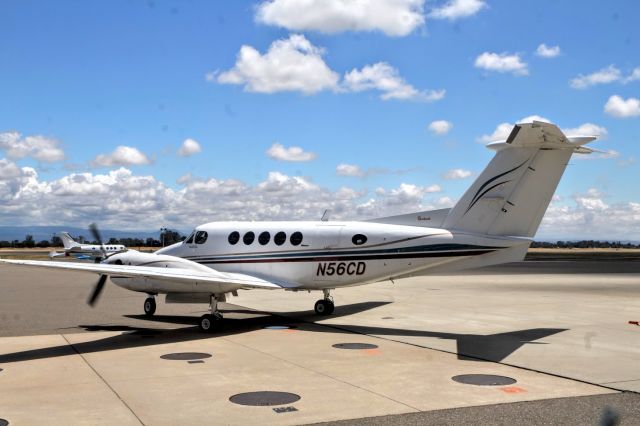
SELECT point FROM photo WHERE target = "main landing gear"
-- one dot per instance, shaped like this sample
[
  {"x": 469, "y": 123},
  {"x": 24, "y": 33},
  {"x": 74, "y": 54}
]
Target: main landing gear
[
  {"x": 150, "y": 306},
  {"x": 211, "y": 322},
  {"x": 325, "y": 306}
]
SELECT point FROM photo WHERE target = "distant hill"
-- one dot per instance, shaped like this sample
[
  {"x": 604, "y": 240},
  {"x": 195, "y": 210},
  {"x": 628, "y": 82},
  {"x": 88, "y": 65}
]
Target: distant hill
[{"x": 10, "y": 233}]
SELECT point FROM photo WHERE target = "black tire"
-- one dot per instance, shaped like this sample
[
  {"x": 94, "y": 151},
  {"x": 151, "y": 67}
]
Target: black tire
[
  {"x": 149, "y": 306},
  {"x": 321, "y": 307},
  {"x": 330, "y": 307},
  {"x": 208, "y": 323}
]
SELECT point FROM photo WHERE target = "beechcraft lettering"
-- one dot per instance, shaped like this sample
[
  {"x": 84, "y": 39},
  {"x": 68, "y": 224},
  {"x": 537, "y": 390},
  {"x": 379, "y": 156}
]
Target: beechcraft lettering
[{"x": 492, "y": 223}]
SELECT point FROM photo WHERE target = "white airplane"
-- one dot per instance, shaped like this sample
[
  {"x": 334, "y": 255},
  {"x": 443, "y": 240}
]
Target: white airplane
[
  {"x": 494, "y": 222},
  {"x": 86, "y": 251}
]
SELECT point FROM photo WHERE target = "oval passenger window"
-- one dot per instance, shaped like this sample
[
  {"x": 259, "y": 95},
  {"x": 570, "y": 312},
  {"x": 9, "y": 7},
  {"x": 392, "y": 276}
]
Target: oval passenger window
[
  {"x": 264, "y": 238},
  {"x": 359, "y": 239},
  {"x": 296, "y": 238},
  {"x": 234, "y": 237},
  {"x": 280, "y": 238},
  {"x": 248, "y": 238}
]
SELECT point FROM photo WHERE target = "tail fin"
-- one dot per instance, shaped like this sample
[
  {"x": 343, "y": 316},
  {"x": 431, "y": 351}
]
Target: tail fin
[
  {"x": 512, "y": 194},
  {"x": 67, "y": 241}
]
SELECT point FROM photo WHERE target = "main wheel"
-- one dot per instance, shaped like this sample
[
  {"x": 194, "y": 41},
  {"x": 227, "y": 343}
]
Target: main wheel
[
  {"x": 209, "y": 323},
  {"x": 324, "y": 307},
  {"x": 150, "y": 306}
]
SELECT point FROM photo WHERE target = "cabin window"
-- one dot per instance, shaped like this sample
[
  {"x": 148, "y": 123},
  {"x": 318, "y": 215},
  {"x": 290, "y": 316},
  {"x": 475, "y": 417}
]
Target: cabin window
[
  {"x": 296, "y": 238},
  {"x": 280, "y": 238},
  {"x": 264, "y": 238},
  {"x": 234, "y": 237},
  {"x": 248, "y": 238},
  {"x": 190, "y": 239},
  {"x": 201, "y": 237},
  {"x": 359, "y": 239}
]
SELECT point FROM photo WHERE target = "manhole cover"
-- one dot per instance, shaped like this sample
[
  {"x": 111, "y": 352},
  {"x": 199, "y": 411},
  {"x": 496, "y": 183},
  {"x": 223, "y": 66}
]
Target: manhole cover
[
  {"x": 279, "y": 327},
  {"x": 355, "y": 346},
  {"x": 483, "y": 380},
  {"x": 4, "y": 422},
  {"x": 264, "y": 398},
  {"x": 186, "y": 356}
]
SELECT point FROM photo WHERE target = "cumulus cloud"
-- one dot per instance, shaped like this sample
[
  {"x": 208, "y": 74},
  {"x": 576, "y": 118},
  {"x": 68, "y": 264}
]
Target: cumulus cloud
[
  {"x": 502, "y": 130},
  {"x": 393, "y": 17},
  {"x": 189, "y": 147},
  {"x": 349, "y": 170},
  {"x": 293, "y": 153},
  {"x": 456, "y": 174},
  {"x": 502, "y": 62},
  {"x": 295, "y": 65},
  {"x": 121, "y": 156},
  {"x": 38, "y": 147},
  {"x": 603, "y": 76},
  {"x": 440, "y": 127},
  {"x": 291, "y": 64},
  {"x": 383, "y": 77},
  {"x": 633, "y": 76},
  {"x": 456, "y": 9},
  {"x": 547, "y": 51},
  {"x": 622, "y": 108}
]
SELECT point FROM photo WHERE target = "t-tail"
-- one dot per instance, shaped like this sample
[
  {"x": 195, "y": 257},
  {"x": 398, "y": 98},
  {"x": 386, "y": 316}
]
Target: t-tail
[
  {"x": 513, "y": 192},
  {"x": 67, "y": 241}
]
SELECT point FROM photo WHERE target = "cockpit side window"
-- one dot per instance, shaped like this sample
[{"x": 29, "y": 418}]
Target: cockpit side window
[
  {"x": 201, "y": 237},
  {"x": 190, "y": 239}
]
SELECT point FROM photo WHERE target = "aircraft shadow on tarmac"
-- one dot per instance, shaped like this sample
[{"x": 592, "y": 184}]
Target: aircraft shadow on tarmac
[{"x": 492, "y": 347}]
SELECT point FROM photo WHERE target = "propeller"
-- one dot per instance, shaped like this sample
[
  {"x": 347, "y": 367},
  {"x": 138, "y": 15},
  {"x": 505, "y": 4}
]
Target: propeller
[{"x": 97, "y": 291}]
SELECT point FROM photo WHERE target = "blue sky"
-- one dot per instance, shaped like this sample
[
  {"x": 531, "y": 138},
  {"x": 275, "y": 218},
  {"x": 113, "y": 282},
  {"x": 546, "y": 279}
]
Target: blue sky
[{"x": 81, "y": 79}]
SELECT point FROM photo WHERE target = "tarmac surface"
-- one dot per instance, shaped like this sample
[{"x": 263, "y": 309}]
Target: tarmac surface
[{"x": 560, "y": 329}]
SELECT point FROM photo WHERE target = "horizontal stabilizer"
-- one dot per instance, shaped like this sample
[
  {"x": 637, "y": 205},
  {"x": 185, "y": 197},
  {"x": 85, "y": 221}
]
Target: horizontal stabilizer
[{"x": 427, "y": 219}]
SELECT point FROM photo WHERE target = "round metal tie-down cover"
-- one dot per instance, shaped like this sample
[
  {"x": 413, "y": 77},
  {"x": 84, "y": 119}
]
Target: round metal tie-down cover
[
  {"x": 4, "y": 422},
  {"x": 483, "y": 380},
  {"x": 185, "y": 356},
  {"x": 264, "y": 398},
  {"x": 355, "y": 346}
]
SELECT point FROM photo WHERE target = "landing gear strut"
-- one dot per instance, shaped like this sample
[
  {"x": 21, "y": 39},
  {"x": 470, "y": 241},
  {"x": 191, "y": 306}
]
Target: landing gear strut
[
  {"x": 210, "y": 322},
  {"x": 150, "y": 306},
  {"x": 325, "y": 306}
]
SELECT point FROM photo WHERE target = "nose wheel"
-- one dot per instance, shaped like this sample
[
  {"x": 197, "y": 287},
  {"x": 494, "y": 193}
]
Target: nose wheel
[
  {"x": 150, "y": 306},
  {"x": 324, "y": 306}
]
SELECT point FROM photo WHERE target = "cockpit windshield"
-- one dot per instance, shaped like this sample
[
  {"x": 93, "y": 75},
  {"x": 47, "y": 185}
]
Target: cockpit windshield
[{"x": 190, "y": 239}]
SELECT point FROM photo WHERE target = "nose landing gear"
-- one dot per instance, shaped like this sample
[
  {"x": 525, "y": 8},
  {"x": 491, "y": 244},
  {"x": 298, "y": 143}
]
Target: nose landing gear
[
  {"x": 208, "y": 323},
  {"x": 324, "y": 306}
]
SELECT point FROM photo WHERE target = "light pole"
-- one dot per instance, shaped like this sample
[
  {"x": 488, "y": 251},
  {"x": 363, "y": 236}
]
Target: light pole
[{"x": 162, "y": 232}]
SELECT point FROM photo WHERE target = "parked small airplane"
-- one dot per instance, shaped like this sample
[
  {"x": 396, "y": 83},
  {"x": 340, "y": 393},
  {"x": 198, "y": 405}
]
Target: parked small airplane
[
  {"x": 86, "y": 251},
  {"x": 494, "y": 222}
]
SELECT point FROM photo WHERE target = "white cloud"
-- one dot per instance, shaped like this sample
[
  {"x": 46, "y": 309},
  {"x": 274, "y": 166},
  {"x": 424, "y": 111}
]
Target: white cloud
[
  {"x": 503, "y": 129},
  {"x": 291, "y": 64},
  {"x": 621, "y": 108},
  {"x": 603, "y": 76},
  {"x": 383, "y": 77},
  {"x": 587, "y": 129},
  {"x": 547, "y": 51},
  {"x": 295, "y": 65},
  {"x": 189, "y": 147},
  {"x": 349, "y": 170},
  {"x": 635, "y": 75},
  {"x": 456, "y": 9},
  {"x": 293, "y": 153},
  {"x": 38, "y": 147},
  {"x": 393, "y": 17},
  {"x": 440, "y": 127},
  {"x": 502, "y": 62},
  {"x": 456, "y": 174},
  {"x": 121, "y": 156}
]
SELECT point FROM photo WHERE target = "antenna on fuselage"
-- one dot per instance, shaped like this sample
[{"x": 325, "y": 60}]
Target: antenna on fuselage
[{"x": 325, "y": 216}]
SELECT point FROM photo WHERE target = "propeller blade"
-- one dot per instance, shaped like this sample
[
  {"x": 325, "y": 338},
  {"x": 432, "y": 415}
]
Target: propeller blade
[
  {"x": 96, "y": 236},
  {"x": 97, "y": 290}
]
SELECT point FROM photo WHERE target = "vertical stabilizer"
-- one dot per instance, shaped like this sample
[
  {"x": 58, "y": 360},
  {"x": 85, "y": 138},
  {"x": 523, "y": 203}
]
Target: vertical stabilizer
[
  {"x": 512, "y": 194},
  {"x": 67, "y": 241}
]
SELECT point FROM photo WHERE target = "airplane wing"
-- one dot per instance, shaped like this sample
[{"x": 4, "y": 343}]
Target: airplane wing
[{"x": 242, "y": 281}]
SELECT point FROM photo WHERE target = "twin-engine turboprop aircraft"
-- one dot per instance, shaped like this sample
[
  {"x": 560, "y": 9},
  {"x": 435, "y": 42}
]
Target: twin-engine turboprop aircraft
[
  {"x": 86, "y": 251},
  {"x": 493, "y": 223}
]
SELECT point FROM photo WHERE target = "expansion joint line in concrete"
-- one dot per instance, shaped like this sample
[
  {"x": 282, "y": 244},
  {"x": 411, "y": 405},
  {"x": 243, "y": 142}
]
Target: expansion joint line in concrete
[
  {"x": 325, "y": 375},
  {"x": 102, "y": 379}
]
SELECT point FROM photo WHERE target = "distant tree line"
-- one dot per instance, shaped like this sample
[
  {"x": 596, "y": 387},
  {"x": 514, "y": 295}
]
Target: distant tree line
[
  {"x": 167, "y": 236},
  {"x": 584, "y": 244}
]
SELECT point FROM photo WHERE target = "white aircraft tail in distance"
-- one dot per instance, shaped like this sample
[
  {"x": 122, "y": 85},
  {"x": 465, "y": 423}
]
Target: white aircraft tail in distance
[
  {"x": 86, "y": 251},
  {"x": 492, "y": 223}
]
